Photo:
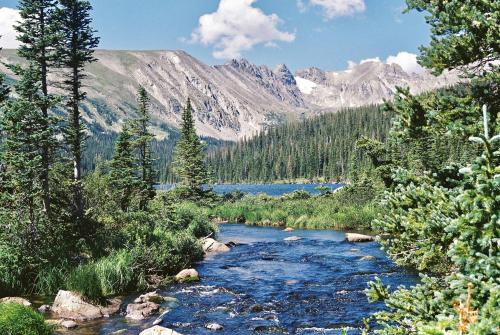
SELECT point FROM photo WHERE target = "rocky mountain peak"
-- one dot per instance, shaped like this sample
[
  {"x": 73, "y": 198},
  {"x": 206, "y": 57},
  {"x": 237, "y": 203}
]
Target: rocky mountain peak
[{"x": 285, "y": 74}]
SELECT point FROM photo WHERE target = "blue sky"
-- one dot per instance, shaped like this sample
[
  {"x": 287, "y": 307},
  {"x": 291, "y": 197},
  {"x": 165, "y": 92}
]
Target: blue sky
[{"x": 300, "y": 33}]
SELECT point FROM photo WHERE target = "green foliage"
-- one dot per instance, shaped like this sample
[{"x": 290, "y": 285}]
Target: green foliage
[
  {"x": 346, "y": 209},
  {"x": 320, "y": 147},
  {"x": 16, "y": 319},
  {"x": 189, "y": 163}
]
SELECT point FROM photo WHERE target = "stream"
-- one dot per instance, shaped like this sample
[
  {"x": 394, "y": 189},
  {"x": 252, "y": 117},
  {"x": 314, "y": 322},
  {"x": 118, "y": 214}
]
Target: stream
[{"x": 267, "y": 285}]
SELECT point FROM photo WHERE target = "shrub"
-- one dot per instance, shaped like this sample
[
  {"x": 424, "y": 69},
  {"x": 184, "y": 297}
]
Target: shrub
[
  {"x": 296, "y": 195},
  {"x": 84, "y": 280},
  {"x": 16, "y": 319}
]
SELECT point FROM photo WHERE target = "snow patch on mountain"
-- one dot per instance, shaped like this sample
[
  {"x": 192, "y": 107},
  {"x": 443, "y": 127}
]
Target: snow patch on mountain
[{"x": 305, "y": 86}]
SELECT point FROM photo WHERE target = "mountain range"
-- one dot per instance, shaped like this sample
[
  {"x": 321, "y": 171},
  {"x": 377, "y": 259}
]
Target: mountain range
[{"x": 230, "y": 101}]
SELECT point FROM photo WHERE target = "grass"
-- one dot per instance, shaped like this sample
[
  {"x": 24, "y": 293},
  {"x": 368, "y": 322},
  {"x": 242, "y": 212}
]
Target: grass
[
  {"x": 16, "y": 319},
  {"x": 346, "y": 209}
]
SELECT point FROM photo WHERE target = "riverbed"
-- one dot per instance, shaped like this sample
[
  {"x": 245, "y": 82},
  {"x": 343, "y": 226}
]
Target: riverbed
[{"x": 267, "y": 285}]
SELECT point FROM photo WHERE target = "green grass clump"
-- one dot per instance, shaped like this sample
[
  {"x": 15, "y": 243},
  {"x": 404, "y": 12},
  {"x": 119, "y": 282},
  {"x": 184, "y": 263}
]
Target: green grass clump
[
  {"x": 16, "y": 319},
  {"x": 346, "y": 209}
]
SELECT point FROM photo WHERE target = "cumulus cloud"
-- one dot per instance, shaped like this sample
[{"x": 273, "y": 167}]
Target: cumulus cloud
[
  {"x": 8, "y": 18},
  {"x": 236, "y": 26},
  {"x": 334, "y": 8},
  {"x": 406, "y": 60}
]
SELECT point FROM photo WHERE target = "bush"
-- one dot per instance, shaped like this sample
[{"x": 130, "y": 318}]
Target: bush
[
  {"x": 16, "y": 319},
  {"x": 84, "y": 280},
  {"x": 296, "y": 195}
]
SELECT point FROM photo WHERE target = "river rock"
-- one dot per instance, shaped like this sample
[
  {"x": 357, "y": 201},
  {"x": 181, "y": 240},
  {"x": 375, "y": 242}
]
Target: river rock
[
  {"x": 149, "y": 297},
  {"x": 211, "y": 245},
  {"x": 292, "y": 238},
  {"x": 15, "y": 300},
  {"x": 157, "y": 330},
  {"x": 367, "y": 258},
  {"x": 187, "y": 275},
  {"x": 214, "y": 326},
  {"x": 141, "y": 311},
  {"x": 352, "y": 237},
  {"x": 288, "y": 229},
  {"x": 69, "y": 324},
  {"x": 70, "y": 305},
  {"x": 44, "y": 309}
]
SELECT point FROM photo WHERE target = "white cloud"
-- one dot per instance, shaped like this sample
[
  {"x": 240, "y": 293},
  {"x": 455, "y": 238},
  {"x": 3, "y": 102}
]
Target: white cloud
[
  {"x": 406, "y": 60},
  {"x": 334, "y": 8},
  {"x": 236, "y": 26},
  {"x": 8, "y": 18}
]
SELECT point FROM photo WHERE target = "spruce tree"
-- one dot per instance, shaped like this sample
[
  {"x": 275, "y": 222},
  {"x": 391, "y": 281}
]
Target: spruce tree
[
  {"x": 38, "y": 37},
  {"x": 75, "y": 49},
  {"x": 189, "y": 163},
  {"x": 143, "y": 140},
  {"x": 123, "y": 177}
]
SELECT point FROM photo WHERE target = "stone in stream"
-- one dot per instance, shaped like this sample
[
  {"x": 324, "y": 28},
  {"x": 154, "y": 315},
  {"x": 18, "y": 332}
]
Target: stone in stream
[
  {"x": 187, "y": 275},
  {"x": 288, "y": 229},
  {"x": 149, "y": 297},
  {"x": 157, "y": 330},
  {"x": 71, "y": 305},
  {"x": 69, "y": 324},
  {"x": 214, "y": 326},
  {"x": 15, "y": 300},
  {"x": 142, "y": 310},
  {"x": 160, "y": 318},
  {"x": 367, "y": 258},
  {"x": 352, "y": 237},
  {"x": 292, "y": 238},
  {"x": 211, "y": 245},
  {"x": 44, "y": 309}
]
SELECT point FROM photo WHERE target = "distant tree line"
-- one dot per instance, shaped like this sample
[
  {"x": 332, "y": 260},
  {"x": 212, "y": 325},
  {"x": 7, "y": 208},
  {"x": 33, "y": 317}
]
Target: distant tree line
[{"x": 321, "y": 147}]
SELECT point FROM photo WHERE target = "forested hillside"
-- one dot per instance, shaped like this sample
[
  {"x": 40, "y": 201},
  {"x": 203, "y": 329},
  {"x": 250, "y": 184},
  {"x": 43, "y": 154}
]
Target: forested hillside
[{"x": 319, "y": 147}]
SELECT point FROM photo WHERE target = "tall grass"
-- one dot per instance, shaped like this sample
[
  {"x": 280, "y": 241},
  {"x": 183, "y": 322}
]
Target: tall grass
[{"x": 342, "y": 211}]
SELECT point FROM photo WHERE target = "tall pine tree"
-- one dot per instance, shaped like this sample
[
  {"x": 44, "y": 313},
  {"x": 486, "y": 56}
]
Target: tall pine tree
[
  {"x": 75, "y": 49},
  {"x": 189, "y": 163},
  {"x": 143, "y": 144},
  {"x": 38, "y": 36},
  {"x": 123, "y": 177}
]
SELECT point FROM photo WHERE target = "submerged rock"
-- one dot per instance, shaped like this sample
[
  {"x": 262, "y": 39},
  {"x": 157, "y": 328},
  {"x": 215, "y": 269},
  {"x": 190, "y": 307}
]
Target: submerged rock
[
  {"x": 288, "y": 229},
  {"x": 367, "y": 258},
  {"x": 15, "y": 300},
  {"x": 352, "y": 237},
  {"x": 157, "y": 330},
  {"x": 149, "y": 297},
  {"x": 142, "y": 310},
  {"x": 44, "y": 309},
  {"x": 214, "y": 326},
  {"x": 292, "y": 238},
  {"x": 71, "y": 305},
  {"x": 68, "y": 324},
  {"x": 187, "y": 275},
  {"x": 211, "y": 245}
]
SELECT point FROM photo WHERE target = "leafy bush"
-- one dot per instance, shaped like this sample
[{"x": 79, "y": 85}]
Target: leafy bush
[
  {"x": 296, "y": 195},
  {"x": 16, "y": 319}
]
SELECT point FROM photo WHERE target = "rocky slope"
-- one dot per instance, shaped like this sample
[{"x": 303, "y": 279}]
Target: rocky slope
[{"x": 230, "y": 101}]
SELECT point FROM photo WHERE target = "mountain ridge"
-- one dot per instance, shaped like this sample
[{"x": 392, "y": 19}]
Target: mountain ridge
[{"x": 231, "y": 101}]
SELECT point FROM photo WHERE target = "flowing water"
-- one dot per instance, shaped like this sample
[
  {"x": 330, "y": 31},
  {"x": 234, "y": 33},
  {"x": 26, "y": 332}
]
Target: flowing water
[{"x": 267, "y": 285}]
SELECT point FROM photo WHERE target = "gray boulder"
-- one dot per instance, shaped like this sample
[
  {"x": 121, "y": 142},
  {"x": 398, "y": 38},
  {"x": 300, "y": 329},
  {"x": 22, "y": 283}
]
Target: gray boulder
[
  {"x": 71, "y": 305},
  {"x": 157, "y": 330},
  {"x": 187, "y": 275},
  {"x": 15, "y": 300},
  {"x": 352, "y": 237},
  {"x": 142, "y": 310}
]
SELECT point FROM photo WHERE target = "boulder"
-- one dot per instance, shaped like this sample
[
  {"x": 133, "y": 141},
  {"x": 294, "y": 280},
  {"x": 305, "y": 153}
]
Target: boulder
[
  {"x": 68, "y": 324},
  {"x": 187, "y": 275},
  {"x": 367, "y": 258},
  {"x": 157, "y": 330},
  {"x": 288, "y": 229},
  {"x": 44, "y": 309},
  {"x": 15, "y": 300},
  {"x": 211, "y": 245},
  {"x": 71, "y": 305},
  {"x": 352, "y": 237},
  {"x": 149, "y": 297},
  {"x": 292, "y": 238},
  {"x": 141, "y": 311},
  {"x": 214, "y": 326}
]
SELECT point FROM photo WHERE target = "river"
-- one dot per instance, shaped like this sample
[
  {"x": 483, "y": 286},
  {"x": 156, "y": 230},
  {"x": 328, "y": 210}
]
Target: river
[{"x": 268, "y": 285}]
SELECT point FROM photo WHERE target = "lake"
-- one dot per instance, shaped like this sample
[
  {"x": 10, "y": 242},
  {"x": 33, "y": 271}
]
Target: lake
[{"x": 274, "y": 190}]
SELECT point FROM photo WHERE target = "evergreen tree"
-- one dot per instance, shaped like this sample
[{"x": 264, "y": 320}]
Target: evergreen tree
[
  {"x": 123, "y": 177},
  {"x": 143, "y": 139},
  {"x": 75, "y": 49},
  {"x": 189, "y": 158},
  {"x": 38, "y": 36}
]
